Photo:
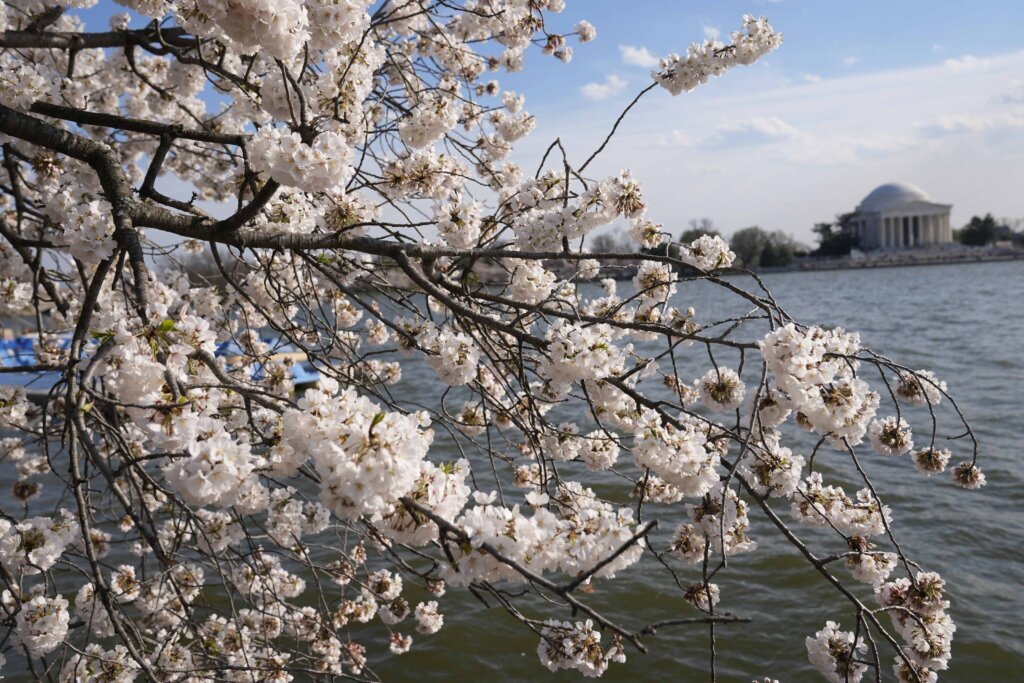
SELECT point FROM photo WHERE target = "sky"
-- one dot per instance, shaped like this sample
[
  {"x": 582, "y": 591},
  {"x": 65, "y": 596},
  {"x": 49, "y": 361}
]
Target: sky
[
  {"x": 927, "y": 92},
  {"x": 860, "y": 93}
]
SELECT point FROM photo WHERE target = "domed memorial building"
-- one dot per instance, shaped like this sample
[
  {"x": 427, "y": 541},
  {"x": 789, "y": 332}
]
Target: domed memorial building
[{"x": 899, "y": 215}]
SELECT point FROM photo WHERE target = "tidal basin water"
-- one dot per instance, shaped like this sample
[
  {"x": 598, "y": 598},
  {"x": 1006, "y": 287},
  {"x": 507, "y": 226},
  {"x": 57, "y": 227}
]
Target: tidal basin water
[{"x": 964, "y": 322}]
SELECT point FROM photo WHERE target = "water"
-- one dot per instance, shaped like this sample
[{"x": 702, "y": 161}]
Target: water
[{"x": 965, "y": 322}]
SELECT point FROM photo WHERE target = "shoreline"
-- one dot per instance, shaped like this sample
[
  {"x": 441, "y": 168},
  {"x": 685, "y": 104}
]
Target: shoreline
[
  {"x": 814, "y": 265},
  {"x": 877, "y": 260}
]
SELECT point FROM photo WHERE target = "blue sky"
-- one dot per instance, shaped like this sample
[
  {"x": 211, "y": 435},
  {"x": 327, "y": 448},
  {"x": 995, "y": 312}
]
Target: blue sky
[{"x": 860, "y": 93}]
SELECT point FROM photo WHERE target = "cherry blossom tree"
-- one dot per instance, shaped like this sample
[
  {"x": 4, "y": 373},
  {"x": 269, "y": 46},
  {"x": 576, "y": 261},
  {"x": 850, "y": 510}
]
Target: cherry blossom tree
[{"x": 180, "y": 511}]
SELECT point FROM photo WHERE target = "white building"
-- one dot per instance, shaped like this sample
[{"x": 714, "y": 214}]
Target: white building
[{"x": 898, "y": 215}]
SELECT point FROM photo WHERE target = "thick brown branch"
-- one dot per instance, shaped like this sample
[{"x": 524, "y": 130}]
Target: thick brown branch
[
  {"x": 90, "y": 118},
  {"x": 62, "y": 40}
]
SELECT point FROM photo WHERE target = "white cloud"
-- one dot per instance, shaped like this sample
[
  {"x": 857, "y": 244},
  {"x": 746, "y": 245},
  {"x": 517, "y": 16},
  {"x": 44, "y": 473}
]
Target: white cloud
[
  {"x": 612, "y": 85},
  {"x": 753, "y": 130},
  {"x": 812, "y": 78},
  {"x": 747, "y": 132},
  {"x": 1014, "y": 94},
  {"x": 829, "y": 150},
  {"x": 851, "y": 60},
  {"x": 677, "y": 138},
  {"x": 955, "y": 124},
  {"x": 638, "y": 56},
  {"x": 965, "y": 63},
  {"x": 710, "y": 31}
]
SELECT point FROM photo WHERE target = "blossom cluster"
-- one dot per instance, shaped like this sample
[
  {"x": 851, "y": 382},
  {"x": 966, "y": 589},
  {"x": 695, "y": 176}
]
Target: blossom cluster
[
  {"x": 280, "y": 28},
  {"x": 542, "y": 220},
  {"x": 36, "y": 544},
  {"x": 568, "y": 645},
  {"x": 285, "y": 157},
  {"x": 716, "y": 526},
  {"x": 581, "y": 353},
  {"x": 367, "y": 458},
  {"x": 581, "y": 533},
  {"x": 530, "y": 282},
  {"x": 815, "y": 371},
  {"x": 678, "y": 452},
  {"x": 702, "y": 62},
  {"x": 428, "y": 121},
  {"x": 42, "y": 623},
  {"x": 22, "y": 84},
  {"x": 818, "y": 504},
  {"x": 88, "y": 230},
  {"x": 918, "y": 611},
  {"x": 837, "y": 654}
]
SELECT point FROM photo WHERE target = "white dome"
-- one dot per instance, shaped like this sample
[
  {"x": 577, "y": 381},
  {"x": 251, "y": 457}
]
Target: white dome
[{"x": 891, "y": 195}]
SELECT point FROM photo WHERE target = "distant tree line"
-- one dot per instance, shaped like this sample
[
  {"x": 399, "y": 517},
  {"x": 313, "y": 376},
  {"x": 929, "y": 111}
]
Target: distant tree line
[
  {"x": 609, "y": 242},
  {"x": 754, "y": 247},
  {"x": 984, "y": 230},
  {"x": 757, "y": 248},
  {"x": 836, "y": 238}
]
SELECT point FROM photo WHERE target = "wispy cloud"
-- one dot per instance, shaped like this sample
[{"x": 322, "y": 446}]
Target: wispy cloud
[
  {"x": 762, "y": 127},
  {"x": 851, "y": 60},
  {"x": 1014, "y": 94},
  {"x": 710, "y": 31},
  {"x": 747, "y": 132},
  {"x": 957, "y": 124},
  {"x": 677, "y": 138},
  {"x": 965, "y": 63},
  {"x": 612, "y": 86},
  {"x": 638, "y": 56}
]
